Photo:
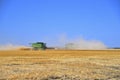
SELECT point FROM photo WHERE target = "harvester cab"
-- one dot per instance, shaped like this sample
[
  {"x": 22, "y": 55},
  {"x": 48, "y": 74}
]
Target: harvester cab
[{"x": 39, "y": 46}]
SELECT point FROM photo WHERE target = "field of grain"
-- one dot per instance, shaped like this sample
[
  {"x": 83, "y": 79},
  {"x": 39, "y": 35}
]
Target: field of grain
[{"x": 60, "y": 65}]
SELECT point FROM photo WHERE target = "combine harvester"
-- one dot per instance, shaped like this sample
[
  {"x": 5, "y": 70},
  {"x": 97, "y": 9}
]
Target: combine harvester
[{"x": 39, "y": 46}]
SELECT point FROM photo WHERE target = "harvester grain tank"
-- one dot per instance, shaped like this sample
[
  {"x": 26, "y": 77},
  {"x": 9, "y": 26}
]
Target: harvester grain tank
[{"x": 39, "y": 46}]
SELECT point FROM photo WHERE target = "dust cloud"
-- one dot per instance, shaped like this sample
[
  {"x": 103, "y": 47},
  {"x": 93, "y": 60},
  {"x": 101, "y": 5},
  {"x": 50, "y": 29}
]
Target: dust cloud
[
  {"x": 10, "y": 47},
  {"x": 82, "y": 44}
]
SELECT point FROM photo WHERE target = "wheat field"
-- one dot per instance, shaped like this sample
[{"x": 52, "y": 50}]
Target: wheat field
[{"x": 60, "y": 65}]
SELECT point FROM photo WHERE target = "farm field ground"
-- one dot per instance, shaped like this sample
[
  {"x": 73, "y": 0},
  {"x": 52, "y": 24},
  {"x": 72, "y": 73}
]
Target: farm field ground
[{"x": 60, "y": 65}]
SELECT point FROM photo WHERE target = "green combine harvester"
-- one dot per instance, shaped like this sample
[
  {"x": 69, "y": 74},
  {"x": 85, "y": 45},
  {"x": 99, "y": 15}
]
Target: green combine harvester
[{"x": 39, "y": 46}]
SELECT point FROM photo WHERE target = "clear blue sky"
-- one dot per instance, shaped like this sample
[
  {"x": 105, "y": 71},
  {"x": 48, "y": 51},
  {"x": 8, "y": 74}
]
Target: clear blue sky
[{"x": 25, "y": 21}]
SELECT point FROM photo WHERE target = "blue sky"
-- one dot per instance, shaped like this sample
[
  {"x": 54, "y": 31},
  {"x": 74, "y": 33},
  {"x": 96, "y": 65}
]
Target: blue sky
[{"x": 26, "y": 21}]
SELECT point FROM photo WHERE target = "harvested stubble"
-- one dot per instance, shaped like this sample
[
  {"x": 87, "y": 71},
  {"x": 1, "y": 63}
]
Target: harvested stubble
[{"x": 60, "y": 65}]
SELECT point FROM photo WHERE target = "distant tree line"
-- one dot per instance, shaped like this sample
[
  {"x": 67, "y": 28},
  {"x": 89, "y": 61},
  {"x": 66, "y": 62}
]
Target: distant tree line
[{"x": 114, "y": 48}]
